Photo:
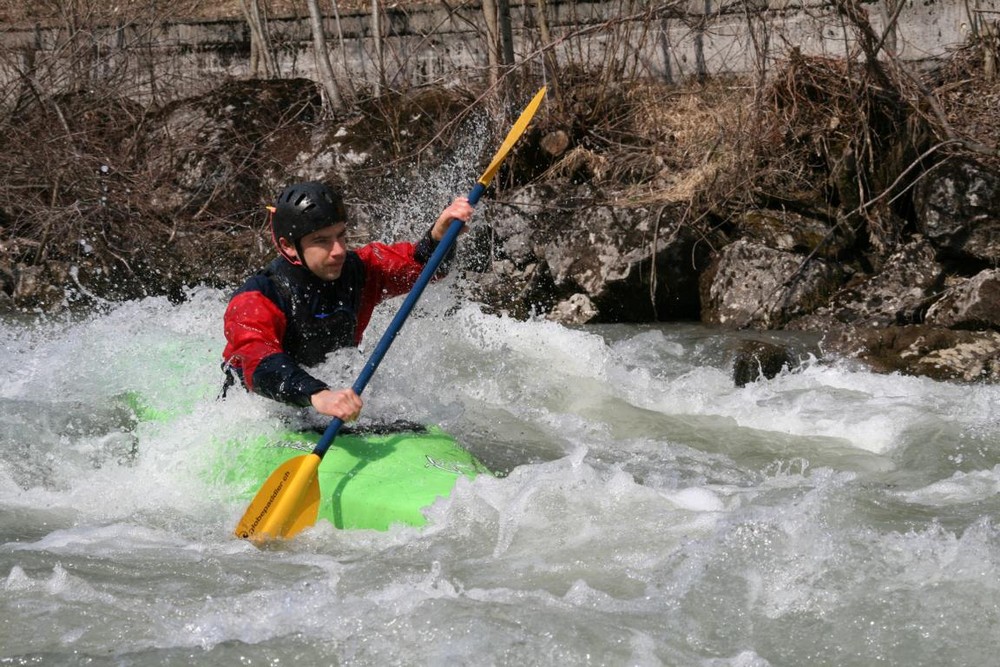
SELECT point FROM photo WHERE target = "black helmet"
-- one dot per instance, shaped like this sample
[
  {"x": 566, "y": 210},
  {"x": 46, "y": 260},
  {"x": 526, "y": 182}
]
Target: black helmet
[{"x": 303, "y": 208}]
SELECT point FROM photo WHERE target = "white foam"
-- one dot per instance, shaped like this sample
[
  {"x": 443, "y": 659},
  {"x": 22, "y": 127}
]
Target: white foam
[
  {"x": 696, "y": 500},
  {"x": 658, "y": 512},
  {"x": 59, "y": 584},
  {"x": 959, "y": 489}
]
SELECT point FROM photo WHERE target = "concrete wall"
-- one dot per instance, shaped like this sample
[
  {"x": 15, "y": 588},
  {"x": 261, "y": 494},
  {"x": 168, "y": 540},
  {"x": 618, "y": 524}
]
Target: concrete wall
[{"x": 434, "y": 44}]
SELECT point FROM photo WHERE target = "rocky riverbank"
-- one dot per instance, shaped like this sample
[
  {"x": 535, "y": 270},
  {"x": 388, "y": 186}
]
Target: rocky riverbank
[{"x": 854, "y": 201}]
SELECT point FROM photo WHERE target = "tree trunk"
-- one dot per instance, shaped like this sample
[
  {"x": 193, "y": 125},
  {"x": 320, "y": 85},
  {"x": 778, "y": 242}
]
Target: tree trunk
[
  {"x": 492, "y": 40},
  {"x": 886, "y": 9},
  {"x": 323, "y": 56},
  {"x": 506, "y": 35},
  {"x": 341, "y": 46},
  {"x": 548, "y": 55},
  {"x": 377, "y": 36},
  {"x": 991, "y": 41},
  {"x": 261, "y": 58}
]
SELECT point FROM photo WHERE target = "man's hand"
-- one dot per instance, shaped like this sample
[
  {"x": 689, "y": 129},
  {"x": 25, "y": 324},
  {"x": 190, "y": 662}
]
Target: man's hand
[
  {"x": 343, "y": 403},
  {"x": 459, "y": 209}
]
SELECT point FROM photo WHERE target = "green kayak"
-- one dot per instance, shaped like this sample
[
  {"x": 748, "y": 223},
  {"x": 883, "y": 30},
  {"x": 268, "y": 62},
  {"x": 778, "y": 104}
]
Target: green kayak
[{"x": 370, "y": 478}]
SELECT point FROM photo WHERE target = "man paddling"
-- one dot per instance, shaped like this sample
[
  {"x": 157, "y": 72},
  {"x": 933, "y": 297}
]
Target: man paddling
[{"x": 316, "y": 297}]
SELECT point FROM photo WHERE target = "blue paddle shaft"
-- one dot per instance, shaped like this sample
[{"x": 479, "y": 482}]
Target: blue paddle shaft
[{"x": 397, "y": 322}]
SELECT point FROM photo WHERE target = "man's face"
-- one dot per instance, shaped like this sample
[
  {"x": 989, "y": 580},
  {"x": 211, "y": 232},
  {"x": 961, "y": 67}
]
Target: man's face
[{"x": 323, "y": 251}]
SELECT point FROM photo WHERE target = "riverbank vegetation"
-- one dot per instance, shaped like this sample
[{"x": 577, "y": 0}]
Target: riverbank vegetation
[{"x": 108, "y": 193}]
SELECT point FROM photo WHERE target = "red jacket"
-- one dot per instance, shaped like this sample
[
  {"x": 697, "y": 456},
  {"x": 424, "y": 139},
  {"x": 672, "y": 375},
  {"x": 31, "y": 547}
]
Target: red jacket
[{"x": 284, "y": 318}]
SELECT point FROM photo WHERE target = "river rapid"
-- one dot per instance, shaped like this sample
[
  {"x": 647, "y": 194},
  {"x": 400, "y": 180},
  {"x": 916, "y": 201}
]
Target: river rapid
[{"x": 648, "y": 512}]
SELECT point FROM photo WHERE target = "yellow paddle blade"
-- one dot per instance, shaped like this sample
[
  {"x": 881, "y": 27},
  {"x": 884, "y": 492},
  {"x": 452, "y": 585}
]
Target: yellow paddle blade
[
  {"x": 515, "y": 133},
  {"x": 307, "y": 513},
  {"x": 286, "y": 503}
]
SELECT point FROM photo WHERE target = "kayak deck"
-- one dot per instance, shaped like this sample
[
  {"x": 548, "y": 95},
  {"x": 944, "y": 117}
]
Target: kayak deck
[{"x": 372, "y": 478}]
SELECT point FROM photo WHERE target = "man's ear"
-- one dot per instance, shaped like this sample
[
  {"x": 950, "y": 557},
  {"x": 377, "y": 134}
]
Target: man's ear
[{"x": 288, "y": 249}]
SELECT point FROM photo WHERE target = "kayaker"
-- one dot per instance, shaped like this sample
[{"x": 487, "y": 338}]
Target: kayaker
[{"x": 316, "y": 297}]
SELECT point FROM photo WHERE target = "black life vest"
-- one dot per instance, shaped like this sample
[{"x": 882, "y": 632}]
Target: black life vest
[{"x": 321, "y": 316}]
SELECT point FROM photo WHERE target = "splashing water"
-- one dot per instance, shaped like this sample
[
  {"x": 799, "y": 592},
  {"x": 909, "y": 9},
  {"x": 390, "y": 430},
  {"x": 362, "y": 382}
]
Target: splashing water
[{"x": 648, "y": 512}]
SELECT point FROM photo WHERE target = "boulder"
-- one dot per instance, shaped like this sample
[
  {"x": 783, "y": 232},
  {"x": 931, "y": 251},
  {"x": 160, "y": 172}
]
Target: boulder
[
  {"x": 921, "y": 350},
  {"x": 958, "y": 209},
  {"x": 755, "y": 359},
  {"x": 794, "y": 232},
  {"x": 578, "y": 309},
  {"x": 971, "y": 304},
  {"x": 899, "y": 293},
  {"x": 633, "y": 264},
  {"x": 42, "y": 284},
  {"x": 754, "y": 286}
]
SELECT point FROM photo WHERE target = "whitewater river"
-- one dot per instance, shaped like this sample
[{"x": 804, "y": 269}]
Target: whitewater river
[{"x": 648, "y": 512}]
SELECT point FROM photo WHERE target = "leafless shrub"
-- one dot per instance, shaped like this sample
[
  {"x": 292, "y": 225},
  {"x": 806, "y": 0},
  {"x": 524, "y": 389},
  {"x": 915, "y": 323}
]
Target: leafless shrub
[
  {"x": 842, "y": 138},
  {"x": 80, "y": 123}
]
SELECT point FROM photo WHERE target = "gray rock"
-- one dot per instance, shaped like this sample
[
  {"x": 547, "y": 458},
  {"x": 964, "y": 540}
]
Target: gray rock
[
  {"x": 897, "y": 294},
  {"x": 972, "y": 304},
  {"x": 757, "y": 359},
  {"x": 577, "y": 309},
  {"x": 633, "y": 264},
  {"x": 795, "y": 232},
  {"x": 921, "y": 350},
  {"x": 958, "y": 209},
  {"x": 754, "y": 286}
]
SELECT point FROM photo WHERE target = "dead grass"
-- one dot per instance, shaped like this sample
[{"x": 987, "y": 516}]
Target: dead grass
[
  {"x": 821, "y": 135},
  {"x": 655, "y": 143}
]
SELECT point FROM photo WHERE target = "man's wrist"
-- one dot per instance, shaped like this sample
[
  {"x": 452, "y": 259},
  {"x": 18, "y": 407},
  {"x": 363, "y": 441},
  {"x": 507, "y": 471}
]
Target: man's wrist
[{"x": 425, "y": 247}]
